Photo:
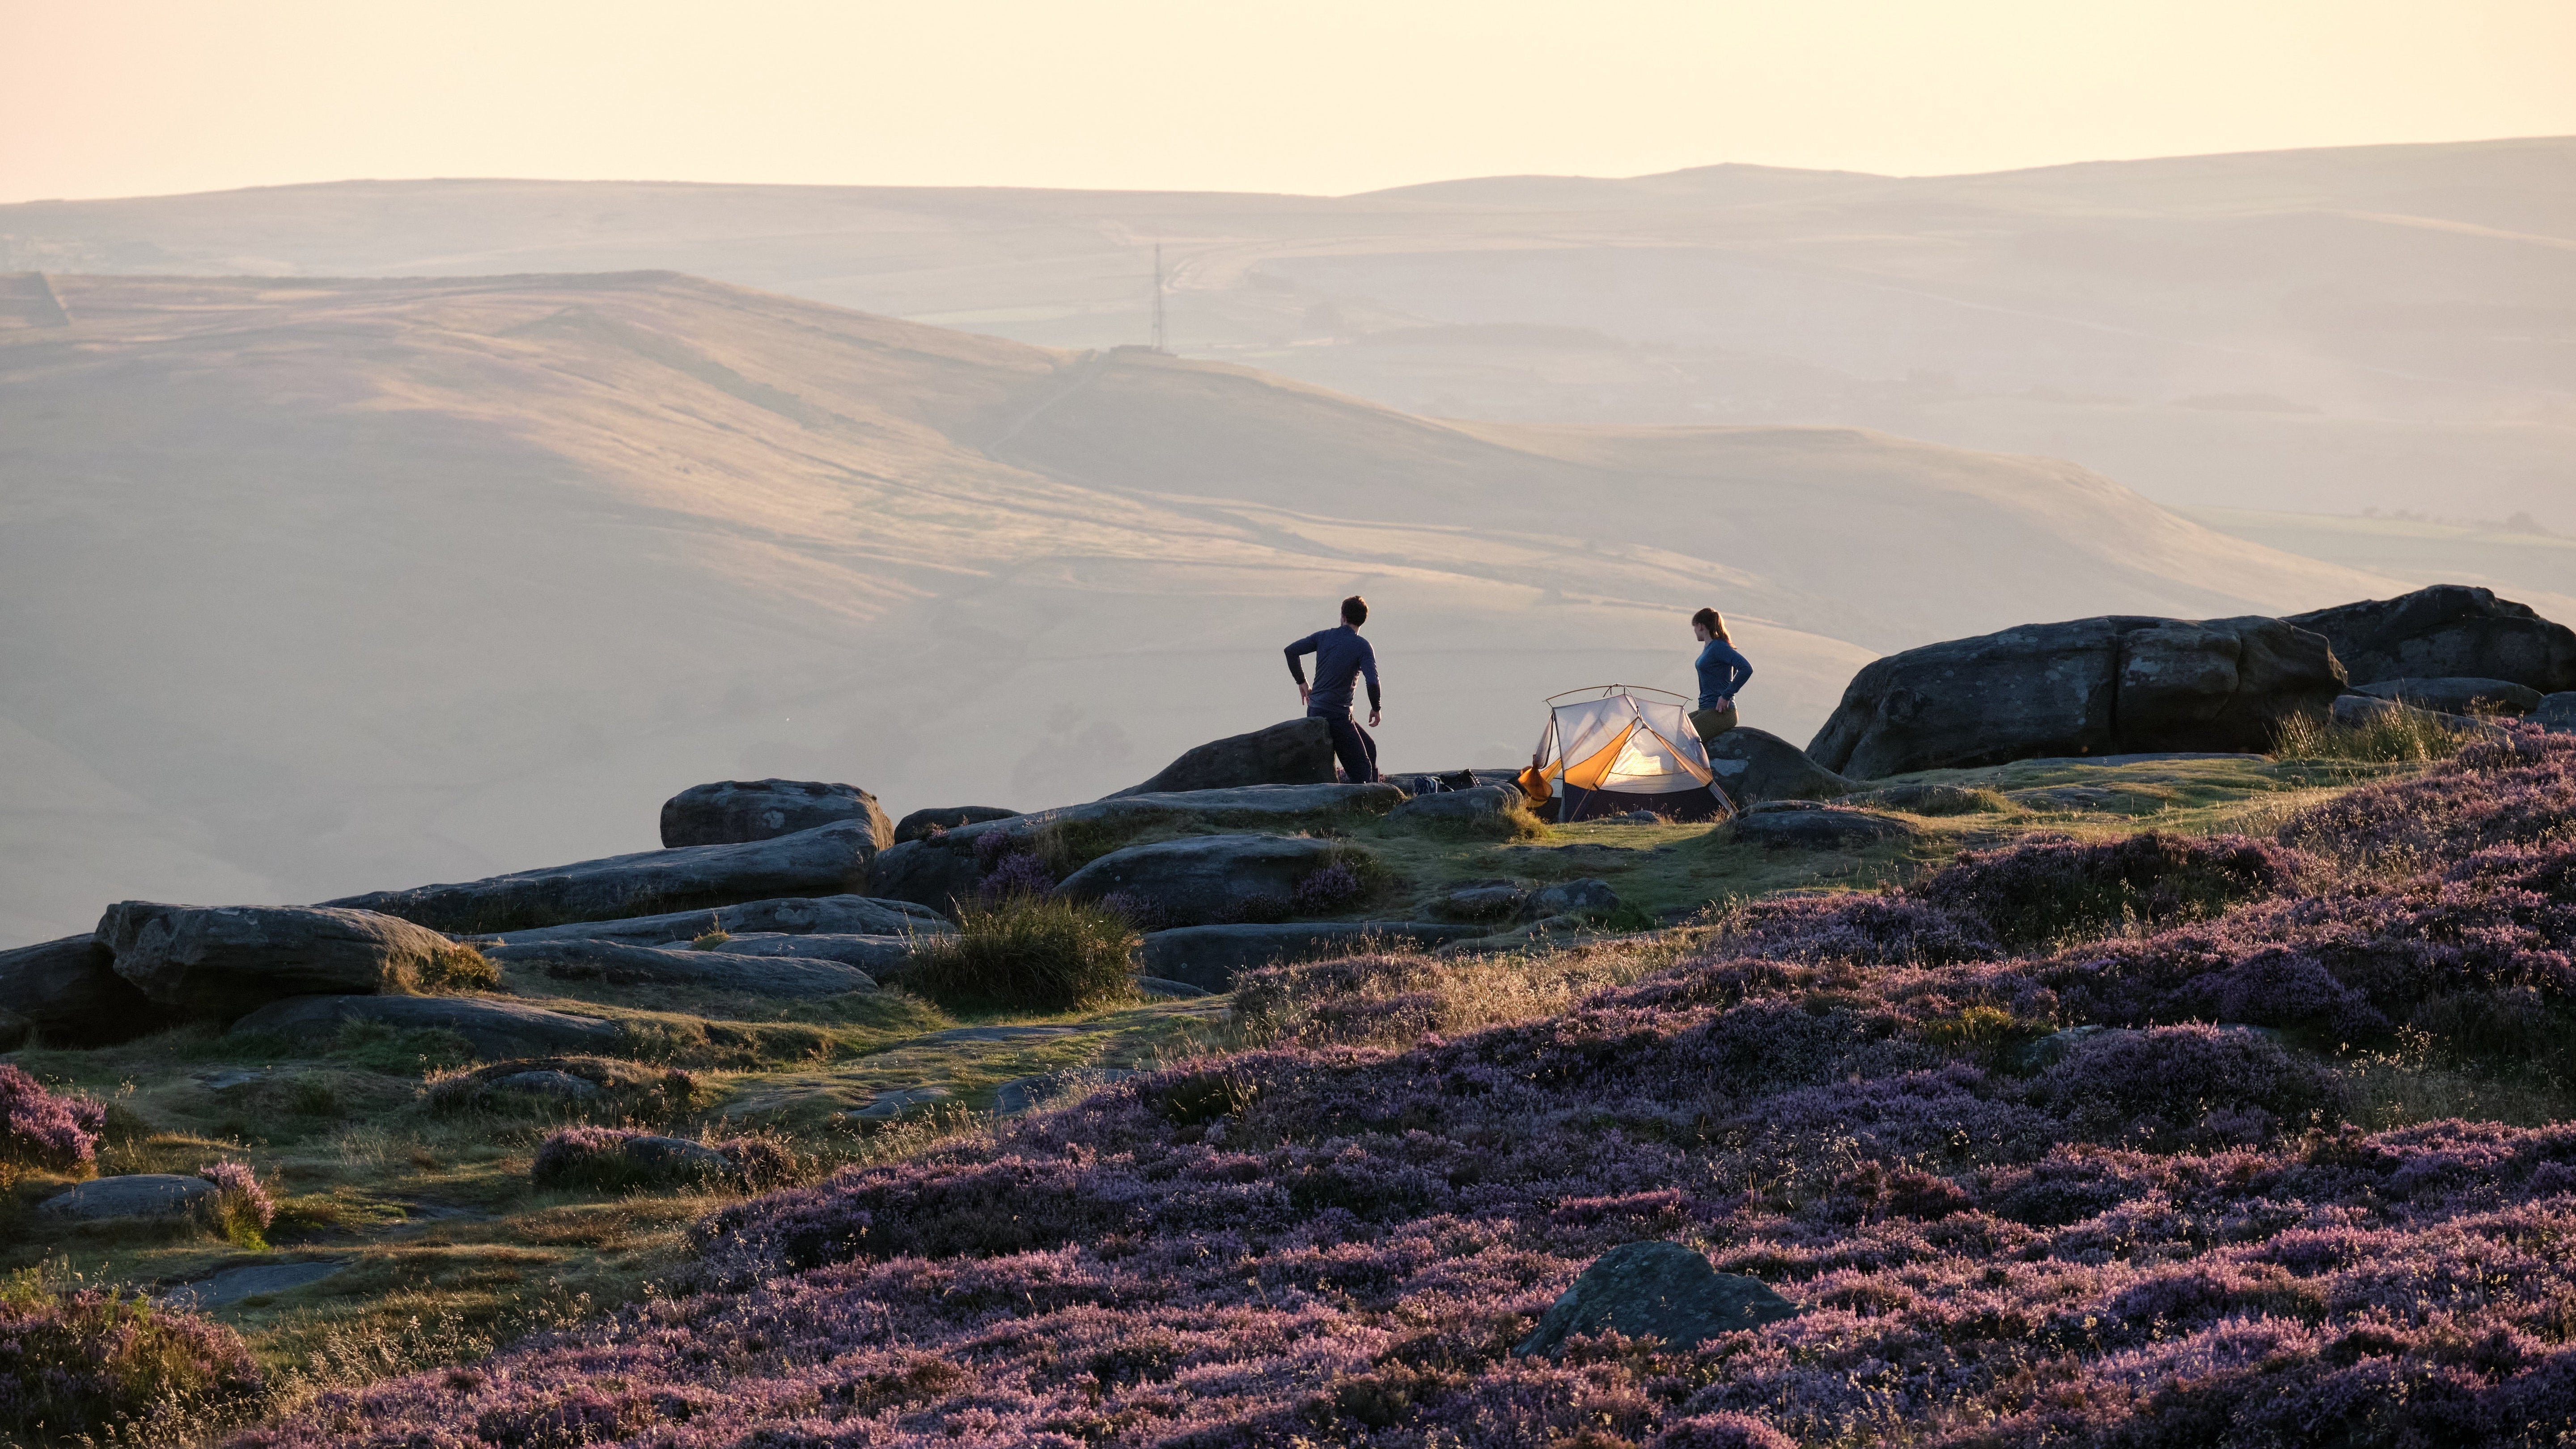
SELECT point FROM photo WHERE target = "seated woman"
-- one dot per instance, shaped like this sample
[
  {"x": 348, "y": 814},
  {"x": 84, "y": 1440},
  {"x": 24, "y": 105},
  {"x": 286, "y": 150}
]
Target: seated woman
[{"x": 1722, "y": 672}]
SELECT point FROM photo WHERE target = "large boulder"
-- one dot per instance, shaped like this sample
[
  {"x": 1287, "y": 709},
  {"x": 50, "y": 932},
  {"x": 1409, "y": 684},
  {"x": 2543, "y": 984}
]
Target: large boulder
[
  {"x": 832, "y": 915},
  {"x": 828, "y": 860},
  {"x": 2448, "y": 631},
  {"x": 69, "y": 991},
  {"x": 940, "y": 872},
  {"x": 221, "y": 961},
  {"x": 1292, "y": 752},
  {"x": 2457, "y": 696},
  {"x": 493, "y": 1029},
  {"x": 1755, "y": 765},
  {"x": 1202, "y": 878},
  {"x": 921, "y": 824},
  {"x": 1657, "y": 1290},
  {"x": 619, "y": 965},
  {"x": 730, "y": 812},
  {"x": 2086, "y": 687},
  {"x": 1209, "y": 957}
]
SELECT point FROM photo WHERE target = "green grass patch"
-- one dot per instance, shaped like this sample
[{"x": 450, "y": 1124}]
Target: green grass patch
[{"x": 2394, "y": 736}]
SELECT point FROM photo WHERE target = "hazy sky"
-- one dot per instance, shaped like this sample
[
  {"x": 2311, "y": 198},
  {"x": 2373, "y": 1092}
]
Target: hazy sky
[{"x": 138, "y": 97}]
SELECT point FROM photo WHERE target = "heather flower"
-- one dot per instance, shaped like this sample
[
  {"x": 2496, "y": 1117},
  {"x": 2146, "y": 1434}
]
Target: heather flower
[
  {"x": 1333, "y": 888},
  {"x": 1020, "y": 873},
  {"x": 241, "y": 1209},
  {"x": 45, "y": 1129},
  {"x": 87, "y": 1362}
]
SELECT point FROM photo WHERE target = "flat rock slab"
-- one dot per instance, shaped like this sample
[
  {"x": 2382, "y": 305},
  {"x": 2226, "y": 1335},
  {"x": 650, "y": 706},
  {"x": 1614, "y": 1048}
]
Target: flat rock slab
[
  {"x": 958, "y": 1034},
  {"x": 1817, "y": 828},
  {"x": 2457, "y": 696},
  {"x": 232, "y": 1285},
  {"x": 888, "y": 1105},
  {"x": 1662, "y": 1290},
  {"x": 1487, "y": 805},
  {"x": 828, "y": 860},
  {"x": 492, "y": 1028},
  {"x": 1161, "y": 989},
  {"x": 1027, "y": 1094},
  {"x": 842, "y": 915},
  {"x": 137, "y": 1197},
  {"x": 613, "y": 964},
  {"x": 1204, "y": 878},
  {"x": 1209, "y": 957},
  {"x": 221, "y": 961},
  {"x": 868, "y": 953},
  {"x": 729, "y": 812}
]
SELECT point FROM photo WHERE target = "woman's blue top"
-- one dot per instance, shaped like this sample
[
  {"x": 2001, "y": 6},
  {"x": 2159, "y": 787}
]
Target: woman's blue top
[{"x": 1722, "y": 672}]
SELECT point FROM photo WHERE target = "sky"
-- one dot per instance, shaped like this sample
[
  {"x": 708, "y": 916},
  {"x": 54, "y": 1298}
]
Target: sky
[{"x": 105, "y": 98}]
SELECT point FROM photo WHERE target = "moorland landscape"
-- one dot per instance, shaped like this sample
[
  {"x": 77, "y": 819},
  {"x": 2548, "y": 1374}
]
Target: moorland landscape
[{"x": 821, "y": 931}]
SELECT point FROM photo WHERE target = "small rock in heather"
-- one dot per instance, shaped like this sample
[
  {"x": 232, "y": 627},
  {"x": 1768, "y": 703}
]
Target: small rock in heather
[
  {"x": 136, "y": 1197},
  {"x": 888, "y": 1105},
  {"x": 546, "y": 1084},
  {"x": 2556, "y": 713},
  {"x": 1663, "y": 1290},
  {"x": 1574, "y": 897}
]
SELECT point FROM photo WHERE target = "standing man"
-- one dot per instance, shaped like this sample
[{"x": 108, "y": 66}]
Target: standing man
[
  {"x": 1341, "y": 657},
  {"x": 1722, "y": 671}
]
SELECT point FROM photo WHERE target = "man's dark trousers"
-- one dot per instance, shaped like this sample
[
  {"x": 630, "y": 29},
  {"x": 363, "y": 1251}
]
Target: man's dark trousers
[{"x": 1351, "y": 744}]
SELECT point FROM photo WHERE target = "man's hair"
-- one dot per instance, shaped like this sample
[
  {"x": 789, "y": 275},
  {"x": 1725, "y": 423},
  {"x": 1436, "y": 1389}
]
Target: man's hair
[
  {"x": 1713, "y": 621},
  {"x": 1354, "y": 611}
]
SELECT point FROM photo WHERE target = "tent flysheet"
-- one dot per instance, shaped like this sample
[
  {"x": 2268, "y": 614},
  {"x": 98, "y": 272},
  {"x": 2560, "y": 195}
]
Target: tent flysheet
[{"x": 1613, "y": 748}]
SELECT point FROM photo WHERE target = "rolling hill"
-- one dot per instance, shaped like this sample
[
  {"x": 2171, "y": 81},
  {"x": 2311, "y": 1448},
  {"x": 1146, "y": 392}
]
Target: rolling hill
[
  {"x": 323, "y": 586},
  {"x": 2322, "y": 331}
]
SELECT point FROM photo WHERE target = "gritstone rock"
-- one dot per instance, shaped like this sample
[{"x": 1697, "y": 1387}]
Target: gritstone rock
[
  {"x": 221, "y": 961},
  {"x": 2556, "y": 713},
  {"x": 1488, "y": 806},
  {"x": 1573, "y": 897},
  {"x": 141, "y": 1196},
  {"x": 1659, "y": 1290},
  {"x": 2354, "y": 711},
  {"x": 614, "y": 964},
  {"x": 731, "y": 812},
  {"x": 2448, "y": 631},
  {"x": 1292, "y": 752},
  {"x": 817, "y": 915},
  {"x": 2457, "y": 696},
  {"x": 2083, "y": 688},
  {"x": 1204, "y": 877},
  {"x": 491, "y": 1028},
  {"x": 69, "y": 990},
  {"x": 1804, "y": 825},
  {"x": 828, "y": 860},
  {"x": 1755, "y": 765},
  {"x": 919, "y": 824}
]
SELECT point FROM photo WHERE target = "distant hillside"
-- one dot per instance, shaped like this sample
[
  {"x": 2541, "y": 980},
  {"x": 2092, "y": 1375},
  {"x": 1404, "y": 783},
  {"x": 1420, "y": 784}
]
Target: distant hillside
[
  {"x": 317, "y": 587},
  {"x": 2323, "y": 331}
]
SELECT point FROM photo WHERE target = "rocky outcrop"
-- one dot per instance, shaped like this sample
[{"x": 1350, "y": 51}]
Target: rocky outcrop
[
  {"x": 1495, "y": 810},
  {"x": 1203, "y": 878},
  {"x": 939, "y": 872},
  {"x": 69, "y": 992},
  {"x": 1657, "y": 1290},
  {"x": 491, "y": 1028},
  {"x": 2457, "y": 696},
  {"x": 920, "y": 824},
  {"x": 218, "y": 962},
  {"x": 612, "y": 964},
  {"x": 2082, "y": 688},
  {"x": 730, "y": 812},
  {"x": 1292, "y": 752},
  {"x": 829, "y": 860},
  {"x": 1755, "y": 765},
  {"x": 1807, "y": 825},
  {"x": 2448, "y": 631},
  {"x": 807, "y": 915},
  {"x": 1209, "y": 957}
]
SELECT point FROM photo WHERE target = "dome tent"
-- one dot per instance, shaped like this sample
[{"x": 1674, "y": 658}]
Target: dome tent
[{"x": 1612, "y": 748}]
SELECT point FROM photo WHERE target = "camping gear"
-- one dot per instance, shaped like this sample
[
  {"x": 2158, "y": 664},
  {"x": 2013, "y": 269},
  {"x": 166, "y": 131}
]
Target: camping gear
[{"x": 1613, "y": 748}]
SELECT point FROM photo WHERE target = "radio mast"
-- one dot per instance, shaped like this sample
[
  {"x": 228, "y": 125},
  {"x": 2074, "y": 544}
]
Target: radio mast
[{"x": 1158, "y": 297}]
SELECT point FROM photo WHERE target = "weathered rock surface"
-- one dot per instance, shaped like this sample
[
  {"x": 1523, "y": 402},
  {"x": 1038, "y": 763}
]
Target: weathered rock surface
[
  {"x": 896, "y": 1102},
  {"x": 1755, "y": 765},
  {"x": 69, "y": 991},
  {"x": 1573, "y": 898},
  {"x": 232, "y": 1285},
  {"x": 828, "y": 860},
  {"x": 869, "y": 953},
  {"x": 816, "y": 915},
  {"x": 938, "y": 873},
  {"x": 1660, "y": 1290},
  {"x": 1209, "y": 957},
  {"x": 2448, "y": 631},
  {"x": 141, "y": 1196},
  {"x": 731, "y": 812},
  {"x": 920, "y": 823},
  {"x": 547, "y": 1083},
  {"x": 2556, "y": 713},
  {"x": 615, "y": 964},
  {"x": 2356, "y": 710},
  {"x": 492, "y": 1028},
  {"x": 1292, "y": 752},
  {"x": 1203, "y": 878},
  {"x": 2082, "y": 688},
  {"x": 220, "y": 961},
  {"x": 1804, "y": 825},
  {"x": 2457, "y": 696},
  {"x": 1480, "y": 806},
  {"x": 1484, "y": 901}
]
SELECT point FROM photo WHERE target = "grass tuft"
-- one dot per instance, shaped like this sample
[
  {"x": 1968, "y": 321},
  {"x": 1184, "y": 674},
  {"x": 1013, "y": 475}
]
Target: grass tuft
[
  {"x": 1035, "y": 953},
  {"x": 2396, "y": 736}
]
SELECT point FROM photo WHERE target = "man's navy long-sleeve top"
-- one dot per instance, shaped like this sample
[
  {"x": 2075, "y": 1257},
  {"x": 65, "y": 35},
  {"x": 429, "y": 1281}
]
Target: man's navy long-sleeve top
[
  {"x": 1722, "y": 672},
  {"x": 1341, "y": 657}
]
